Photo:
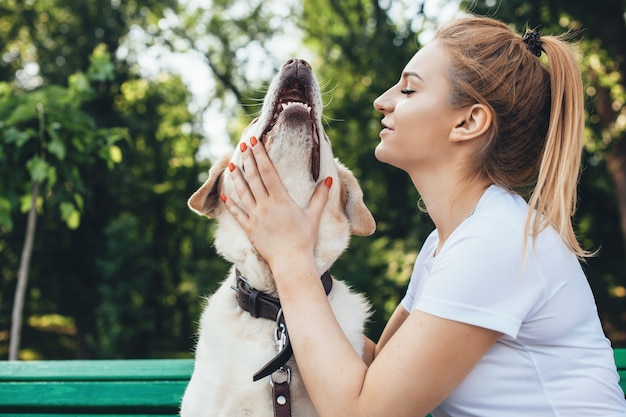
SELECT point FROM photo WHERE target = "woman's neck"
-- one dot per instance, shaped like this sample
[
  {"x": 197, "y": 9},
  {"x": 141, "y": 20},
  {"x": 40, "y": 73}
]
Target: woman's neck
[{"x": 449, "y": 203}]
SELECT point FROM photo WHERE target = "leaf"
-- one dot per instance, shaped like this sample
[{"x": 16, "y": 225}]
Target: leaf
[
  {"x": 73, "y": 221},
  {"x": 20, "y": 137},
  {"x": 79, "y": 201},
  {"x": 79, "y": 83},
  {"x": 38, "y": 168},
  {"x": 52, "y": 176},
  {"x": 100, "y": 68},
  {"x": 116, "y": 154},
  {"x": 66, "y": 209},
  {"x": 5, "y": 214},
  {"x": 22, "y": 112},
  {"x": 25, "y": 203},
  {"x": 56, "y": 146},
  {"x": 70, "y": 214},
  {"x": 5, "y": 88}
]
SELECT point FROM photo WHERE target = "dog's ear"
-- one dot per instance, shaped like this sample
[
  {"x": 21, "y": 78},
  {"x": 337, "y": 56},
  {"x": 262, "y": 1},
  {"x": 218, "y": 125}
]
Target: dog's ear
[
  {"x": 205, "y": 201},
  {"x": 362, "y": 222}
]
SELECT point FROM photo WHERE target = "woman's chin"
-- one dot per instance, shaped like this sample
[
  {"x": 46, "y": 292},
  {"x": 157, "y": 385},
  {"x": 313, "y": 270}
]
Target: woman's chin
[{"x": 381, "y": 154}]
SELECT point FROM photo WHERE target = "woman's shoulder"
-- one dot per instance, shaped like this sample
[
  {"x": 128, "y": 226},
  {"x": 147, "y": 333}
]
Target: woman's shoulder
[
  {"x": 499, "y": 213},
  {"x": 498, "y": 226},
  {"x": 502, "y": 204}
]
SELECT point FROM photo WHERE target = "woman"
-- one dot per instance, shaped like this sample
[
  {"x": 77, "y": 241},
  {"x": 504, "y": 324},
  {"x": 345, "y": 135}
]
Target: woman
[{"x": 498, "y": 319}]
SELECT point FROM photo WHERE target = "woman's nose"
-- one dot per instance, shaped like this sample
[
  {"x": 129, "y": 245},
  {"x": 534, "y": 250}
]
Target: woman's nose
[{"x": 382, "y": 104}]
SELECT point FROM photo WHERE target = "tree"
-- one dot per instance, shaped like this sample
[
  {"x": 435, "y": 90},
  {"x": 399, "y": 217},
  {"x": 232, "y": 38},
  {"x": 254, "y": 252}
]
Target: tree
[
  {"x": 72, "y": 286},
  {"x": 46, "y": 139}
]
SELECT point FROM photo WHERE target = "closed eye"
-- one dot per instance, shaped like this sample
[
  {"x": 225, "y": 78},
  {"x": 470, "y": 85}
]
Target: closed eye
[{"x": 407, "y": 91}]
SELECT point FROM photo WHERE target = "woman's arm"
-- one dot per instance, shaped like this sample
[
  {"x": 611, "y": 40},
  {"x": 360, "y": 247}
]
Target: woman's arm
[
  {"x": 369, "y": 350},
  {"x": 395, "y": 321},
  {"x": 418, "y": 367},
  {"x": 423, "y": 357}
]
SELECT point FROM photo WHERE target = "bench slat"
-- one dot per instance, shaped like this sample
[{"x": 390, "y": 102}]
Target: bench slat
[
  {"x": 94, "y": 394},
  {"x": 620, "y": 361},
  {"x": 88, "y": 387},
  {"x": 98, "y": 370},
  {"x": 88, "y": 414}
]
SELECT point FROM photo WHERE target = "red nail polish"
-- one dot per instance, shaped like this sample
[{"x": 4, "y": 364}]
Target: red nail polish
[
  {"x": 243, "y": 146},
  {"x": 231, "y": 166},
  {"x": 223, "y": 198},
  {"x": 328, "y": 181},
  {"x": 253, "y": 140}
]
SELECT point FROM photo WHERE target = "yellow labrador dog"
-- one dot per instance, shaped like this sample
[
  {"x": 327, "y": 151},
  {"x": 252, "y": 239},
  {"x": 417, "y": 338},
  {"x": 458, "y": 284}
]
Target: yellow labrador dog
[{"x": 242, "y": 334}]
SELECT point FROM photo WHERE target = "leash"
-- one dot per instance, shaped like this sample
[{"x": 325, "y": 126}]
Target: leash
[
  {"x": 260, "y": 304},
  {"x": 280, "y": 392}
]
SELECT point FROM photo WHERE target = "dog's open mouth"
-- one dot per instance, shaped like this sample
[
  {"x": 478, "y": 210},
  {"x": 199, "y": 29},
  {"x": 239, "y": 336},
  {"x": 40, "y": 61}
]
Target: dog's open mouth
[{"x": 294, "y": 103}]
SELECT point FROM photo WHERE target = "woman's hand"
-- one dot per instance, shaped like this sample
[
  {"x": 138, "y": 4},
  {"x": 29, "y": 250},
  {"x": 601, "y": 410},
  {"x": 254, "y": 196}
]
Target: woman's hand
[{"x": 274, "y": 223}]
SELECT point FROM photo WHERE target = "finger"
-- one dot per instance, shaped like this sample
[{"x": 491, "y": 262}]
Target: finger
[
  {"x": 319, "y": 199},
  {"x": 240, "y": 216},
  {"x": 242, "y": 188},
  {"x": 265, "y": 166},
  {"x": 253, "y": 176}
]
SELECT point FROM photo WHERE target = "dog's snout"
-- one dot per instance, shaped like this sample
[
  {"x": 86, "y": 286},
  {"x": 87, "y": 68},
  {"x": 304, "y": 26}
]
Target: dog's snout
[{"x": 297, "y": 63}]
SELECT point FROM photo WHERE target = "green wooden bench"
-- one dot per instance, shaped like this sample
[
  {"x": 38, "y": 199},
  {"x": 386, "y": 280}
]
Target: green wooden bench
[
  {"x": 109, "y": 387},
  {"x": 98, "y": 387}
]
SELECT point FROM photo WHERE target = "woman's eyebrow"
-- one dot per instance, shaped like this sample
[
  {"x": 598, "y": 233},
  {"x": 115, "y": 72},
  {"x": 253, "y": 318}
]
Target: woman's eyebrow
[{"x": 406, "y": 74}]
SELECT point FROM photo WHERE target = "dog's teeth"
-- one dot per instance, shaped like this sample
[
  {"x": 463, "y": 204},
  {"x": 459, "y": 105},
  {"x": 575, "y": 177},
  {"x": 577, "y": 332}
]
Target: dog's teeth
[{"x": 295, "y": 103}]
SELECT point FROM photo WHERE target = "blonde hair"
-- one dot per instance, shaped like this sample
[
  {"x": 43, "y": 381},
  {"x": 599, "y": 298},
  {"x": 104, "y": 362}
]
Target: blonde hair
[{"x": 534, "y": 144}]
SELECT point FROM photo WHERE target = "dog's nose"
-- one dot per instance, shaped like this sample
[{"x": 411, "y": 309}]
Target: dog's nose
[{"x": 296, "y": 63}]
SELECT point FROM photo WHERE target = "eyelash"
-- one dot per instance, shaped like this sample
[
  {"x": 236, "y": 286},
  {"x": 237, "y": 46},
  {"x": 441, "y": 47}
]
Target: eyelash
[{"x": 407, "y": 91}]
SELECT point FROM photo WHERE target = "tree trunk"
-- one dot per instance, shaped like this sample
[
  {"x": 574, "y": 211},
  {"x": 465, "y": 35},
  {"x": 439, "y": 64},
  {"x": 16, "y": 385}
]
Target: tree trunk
[{"x": 22, "y": 278}]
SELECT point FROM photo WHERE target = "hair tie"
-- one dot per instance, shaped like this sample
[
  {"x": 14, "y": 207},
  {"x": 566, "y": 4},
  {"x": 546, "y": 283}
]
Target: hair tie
[{"x": 531, "y": 39}]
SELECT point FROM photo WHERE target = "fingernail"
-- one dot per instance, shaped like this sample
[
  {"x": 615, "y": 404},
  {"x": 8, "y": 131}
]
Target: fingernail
[
  {"x": 328, "y": 181},
  {"x": 253, "y": 140},
  {"x": 223, "y": 198},
  {"x": 243, "y": 146},
  {"x": 231, "y": 166}
]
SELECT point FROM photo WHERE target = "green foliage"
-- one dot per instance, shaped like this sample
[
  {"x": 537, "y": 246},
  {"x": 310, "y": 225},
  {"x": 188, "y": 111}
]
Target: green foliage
[
  {"x": 58, "y": 36},
  {"x": 139, "y": 261},
  {"x": 126, "y": 279},
  {"x": 48, "y": 133}
]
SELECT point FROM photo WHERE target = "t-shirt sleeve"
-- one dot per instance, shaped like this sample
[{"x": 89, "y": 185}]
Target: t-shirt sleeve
[
  {"x": 478, "y": 278},
  {"x": 409, "y": 298}
]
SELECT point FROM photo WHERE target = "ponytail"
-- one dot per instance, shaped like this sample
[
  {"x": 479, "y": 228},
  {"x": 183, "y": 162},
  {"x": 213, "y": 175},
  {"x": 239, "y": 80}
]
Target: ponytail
[{"x": 554, "y": 195}]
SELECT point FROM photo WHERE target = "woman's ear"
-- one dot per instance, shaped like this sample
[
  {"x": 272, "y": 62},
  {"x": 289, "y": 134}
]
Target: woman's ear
[{"x": 473, "y": 122}]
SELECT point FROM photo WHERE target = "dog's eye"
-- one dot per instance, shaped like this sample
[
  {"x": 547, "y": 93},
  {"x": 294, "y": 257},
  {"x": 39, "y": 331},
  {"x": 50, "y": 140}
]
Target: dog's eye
[{"x": 407, "y": 91}]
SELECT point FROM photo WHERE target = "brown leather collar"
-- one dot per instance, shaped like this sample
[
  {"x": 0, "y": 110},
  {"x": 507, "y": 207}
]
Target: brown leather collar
[{"x": 259, "y": 304}]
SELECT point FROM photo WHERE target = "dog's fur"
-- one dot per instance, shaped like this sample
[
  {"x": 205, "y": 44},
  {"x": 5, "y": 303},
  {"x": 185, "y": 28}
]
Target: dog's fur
[{"x": 232, "y": 345}]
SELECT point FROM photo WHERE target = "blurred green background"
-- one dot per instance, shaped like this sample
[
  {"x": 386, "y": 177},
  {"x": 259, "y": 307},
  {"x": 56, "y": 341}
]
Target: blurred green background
[{"x": 111, "y": 112}]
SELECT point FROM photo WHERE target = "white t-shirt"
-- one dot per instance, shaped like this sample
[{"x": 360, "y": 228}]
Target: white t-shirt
[{"x": 553, "y": 358}]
